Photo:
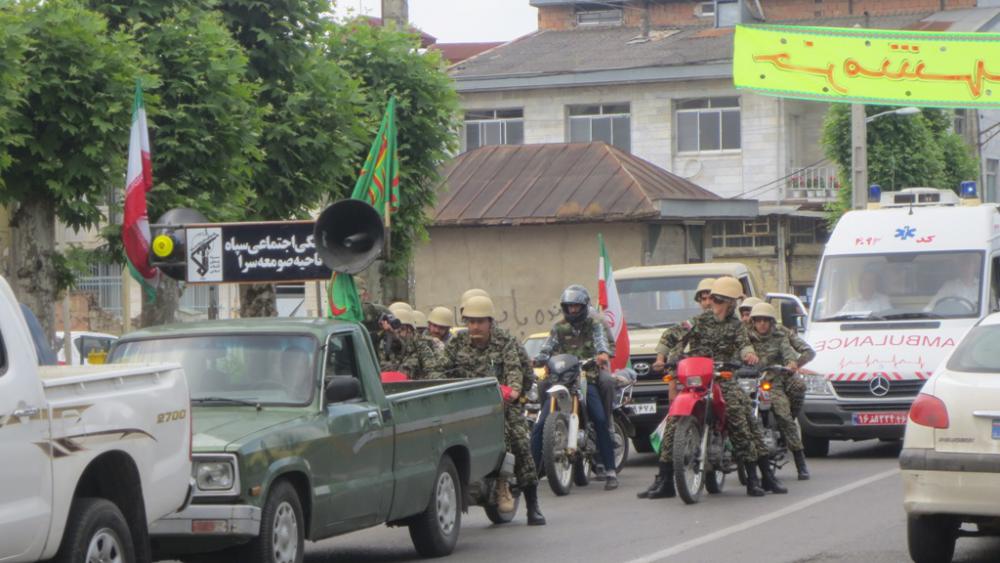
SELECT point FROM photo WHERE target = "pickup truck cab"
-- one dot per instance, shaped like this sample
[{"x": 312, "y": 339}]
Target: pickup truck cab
[
  {"x": 296, "y": 438},
  {"x": 93, "y": 454},
  {"x": 653, "y": 299},
  {"x": 899, "y": 286}
]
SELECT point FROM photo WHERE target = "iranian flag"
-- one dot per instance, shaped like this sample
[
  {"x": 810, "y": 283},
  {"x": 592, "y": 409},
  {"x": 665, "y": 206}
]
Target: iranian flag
[
  {"x": 611, "y": 306},
  {"x": 135, "y": 221}
]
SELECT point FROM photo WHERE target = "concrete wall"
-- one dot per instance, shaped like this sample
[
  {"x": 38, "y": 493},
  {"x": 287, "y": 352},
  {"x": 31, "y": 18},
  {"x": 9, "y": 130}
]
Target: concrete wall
[
  {"x": 523, "y": 268},
  {"x": 763, "y": 262}
]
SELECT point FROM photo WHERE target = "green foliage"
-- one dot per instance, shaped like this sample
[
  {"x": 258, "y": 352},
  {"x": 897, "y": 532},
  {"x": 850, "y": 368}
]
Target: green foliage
[
  {"x": 76, "y": 96},
  {"x": 390, "y": 63},
  {"x": 13, "y": 43},
  {"x": 903, "y": 152}
]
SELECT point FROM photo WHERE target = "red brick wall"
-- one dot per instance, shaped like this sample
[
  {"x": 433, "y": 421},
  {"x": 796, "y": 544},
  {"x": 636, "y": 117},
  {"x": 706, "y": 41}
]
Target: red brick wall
[{"x": 683, "y": 13}]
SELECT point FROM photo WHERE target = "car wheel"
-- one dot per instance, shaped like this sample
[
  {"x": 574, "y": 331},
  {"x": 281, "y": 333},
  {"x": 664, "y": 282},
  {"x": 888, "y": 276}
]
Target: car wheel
[
  {"x": 282, "y": 528},
  {"x": 434, "y": 532},
  {"x": 96, "y": 530},
  {"x": 931, "y": 538}
]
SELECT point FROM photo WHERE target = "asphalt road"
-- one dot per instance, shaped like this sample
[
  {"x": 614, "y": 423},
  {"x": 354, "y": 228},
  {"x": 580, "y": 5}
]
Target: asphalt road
[{"x": 851, "y": 510}]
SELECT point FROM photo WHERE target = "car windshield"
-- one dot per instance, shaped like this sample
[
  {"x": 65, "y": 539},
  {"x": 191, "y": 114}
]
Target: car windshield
[
  {"x": 658, "y": 302},
  {"x": 978, "y": 351},
  {"x": 533, "y": 346},
  {"x": 222, "y": 369},
  {"x": 905, "y": 285}
]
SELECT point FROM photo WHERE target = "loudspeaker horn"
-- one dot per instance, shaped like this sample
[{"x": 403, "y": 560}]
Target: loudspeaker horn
[{"x": 349, "y": 236}]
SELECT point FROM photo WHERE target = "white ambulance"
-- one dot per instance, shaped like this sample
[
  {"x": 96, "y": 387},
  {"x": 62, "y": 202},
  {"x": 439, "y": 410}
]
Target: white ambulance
[{"x": 899, "y": 285}]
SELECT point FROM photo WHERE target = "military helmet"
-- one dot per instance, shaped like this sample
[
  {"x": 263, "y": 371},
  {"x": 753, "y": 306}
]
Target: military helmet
[
  {"x": 478, "y": 307},
  {"x": 473, "y": 293},
  {"x": 703, "y": 285},
  {"x": 419, "y": 319},
  {"x": 441, "y": 316},
  {"x": 749, "y": 302},
  {"x": 727, "y": 287},
  {"x": 406, "y": 317},
  {"x": 763, "y": 310},
  {"x": 398, "y": 306}
]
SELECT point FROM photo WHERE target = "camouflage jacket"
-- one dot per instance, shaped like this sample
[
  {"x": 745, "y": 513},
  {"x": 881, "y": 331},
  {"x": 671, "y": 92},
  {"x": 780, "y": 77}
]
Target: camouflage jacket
[
  {"x": 607, "y": 331},
  {"x": 499, "y": 359},
  {"x": 527, "y": 373},
  {"x": 724, "y": 341},
  {"x": 420, "y": 360},
  {"x": 670, "y": 341},
  {"x": 584, "y": 341},
  {"x": 372, "y": 312},
  {"x": 806, "y": 353},
  {"x": 773, "y": 348},
  {"x": 436, "y": 345}
]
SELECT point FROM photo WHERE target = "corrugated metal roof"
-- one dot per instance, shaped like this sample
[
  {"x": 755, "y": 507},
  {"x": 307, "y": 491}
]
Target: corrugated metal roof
[{"x": 555, "y": 183}]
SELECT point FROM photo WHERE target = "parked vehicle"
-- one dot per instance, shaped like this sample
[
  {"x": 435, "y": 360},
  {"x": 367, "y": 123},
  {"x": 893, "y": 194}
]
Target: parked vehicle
[
  {"x": 897, "y": 289},
  {"x": 655, "y": 298},
  {"x": 296, "y": 438},
  {"x": 93, "y": 454},
  {"x": 569, "y": 441},
  {"x": 84, "y": 344},
  {"x": 951, "y": 450}
]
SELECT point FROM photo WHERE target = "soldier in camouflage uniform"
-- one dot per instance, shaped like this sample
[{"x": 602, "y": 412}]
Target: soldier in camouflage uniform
[
  {"x": 795, "y": 387},
  {"x": 581, "y": 334},
  {"x": 774, "y": 348},
  {"x": 479, "y": 353},
  {"x": 439, "y": 324},
  {"x": 414, "y": 356}
]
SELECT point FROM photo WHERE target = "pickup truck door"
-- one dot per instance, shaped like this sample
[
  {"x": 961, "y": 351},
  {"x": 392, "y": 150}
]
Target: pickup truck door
[
  {"x": 26, "y": 486},
  {"x": 360, "y": 446}
]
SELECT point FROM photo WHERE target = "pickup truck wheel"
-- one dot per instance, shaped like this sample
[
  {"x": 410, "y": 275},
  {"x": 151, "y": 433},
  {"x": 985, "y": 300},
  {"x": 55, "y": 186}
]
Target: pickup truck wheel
[
  {"x": 434, "y": 531},
  {"x": 931, "y": 538},
  {"x": 815, "y": 447},
  {"x": 282, "y": 536},
  {"x": 96, "y": 532}
]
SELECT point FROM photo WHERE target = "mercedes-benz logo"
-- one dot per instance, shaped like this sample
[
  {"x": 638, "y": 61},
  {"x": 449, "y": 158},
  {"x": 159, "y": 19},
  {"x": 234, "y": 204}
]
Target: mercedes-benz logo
[
  {"x": 641, "y": 368},
  {"x": 879, "y": 386}
]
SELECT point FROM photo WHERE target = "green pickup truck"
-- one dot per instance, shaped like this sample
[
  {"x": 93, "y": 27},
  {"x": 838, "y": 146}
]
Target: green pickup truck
[{"x": 295, "y": 438}]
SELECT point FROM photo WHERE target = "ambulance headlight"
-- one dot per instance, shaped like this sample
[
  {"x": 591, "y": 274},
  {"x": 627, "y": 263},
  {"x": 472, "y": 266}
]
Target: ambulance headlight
[{"x": 817, "y": 385}]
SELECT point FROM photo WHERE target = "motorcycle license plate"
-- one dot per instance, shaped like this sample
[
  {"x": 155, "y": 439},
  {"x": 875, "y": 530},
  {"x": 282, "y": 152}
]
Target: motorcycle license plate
[
  {"x": 644, "y": 408},
  {"x": 878, "y": 418}
]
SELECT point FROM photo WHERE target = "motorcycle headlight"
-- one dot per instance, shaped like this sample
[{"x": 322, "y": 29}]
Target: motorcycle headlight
[
  {"x": 215, "y": 475},
  {"x": 693, "y": 381},
  {"x": 533, "y": 394},
  {"x": 817, "y": 385},
  {"x": 748, "y": 385}
]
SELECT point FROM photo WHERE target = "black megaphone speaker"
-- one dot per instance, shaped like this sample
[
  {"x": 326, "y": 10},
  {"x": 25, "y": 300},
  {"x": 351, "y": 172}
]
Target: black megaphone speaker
[{"x": 349, "y": 236}]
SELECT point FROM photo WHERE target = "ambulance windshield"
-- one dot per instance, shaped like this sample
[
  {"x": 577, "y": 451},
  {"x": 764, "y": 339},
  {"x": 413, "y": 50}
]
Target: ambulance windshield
[{"x": 910, "y": 285}]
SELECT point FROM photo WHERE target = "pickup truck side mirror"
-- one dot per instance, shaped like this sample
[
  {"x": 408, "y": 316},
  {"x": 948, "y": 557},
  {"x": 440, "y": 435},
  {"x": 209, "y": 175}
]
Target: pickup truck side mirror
[{"x": 342, "y": 388}]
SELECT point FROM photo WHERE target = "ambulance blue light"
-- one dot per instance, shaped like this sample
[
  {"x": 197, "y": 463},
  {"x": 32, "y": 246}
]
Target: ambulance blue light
[
  {"x": 874, "y": 193},
  {"x": 967, "y": 189}
]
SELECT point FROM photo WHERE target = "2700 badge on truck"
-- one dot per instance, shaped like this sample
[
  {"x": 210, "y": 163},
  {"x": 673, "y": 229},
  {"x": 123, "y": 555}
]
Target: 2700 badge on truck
[{"x": 296, "y": 438}]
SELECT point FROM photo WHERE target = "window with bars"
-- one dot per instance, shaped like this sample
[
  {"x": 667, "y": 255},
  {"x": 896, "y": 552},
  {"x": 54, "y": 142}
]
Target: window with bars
[
  {"x": 708, "y": 124},
  {"x": 493, "y": 127},
  {"x": 599, "y": 17},
  {"x": 806, "y": 230},
  {"x": 744, "y": 233},
  {"x": 610, "y": 123}
]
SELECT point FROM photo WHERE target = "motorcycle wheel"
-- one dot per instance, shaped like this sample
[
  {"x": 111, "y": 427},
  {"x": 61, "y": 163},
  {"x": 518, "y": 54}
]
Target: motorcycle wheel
[
  {"x": 621, "y": 447},
  {"x": 498, "y": 517},
  {"x": 714, "y": 481},
  {"x": 687, "y": 458},
  {"x": 580, "y": 469},
  {"x": 558, "y": 468}
]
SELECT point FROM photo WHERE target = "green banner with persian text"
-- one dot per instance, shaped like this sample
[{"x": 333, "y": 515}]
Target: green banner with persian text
[{"x": 870, "y": 66}]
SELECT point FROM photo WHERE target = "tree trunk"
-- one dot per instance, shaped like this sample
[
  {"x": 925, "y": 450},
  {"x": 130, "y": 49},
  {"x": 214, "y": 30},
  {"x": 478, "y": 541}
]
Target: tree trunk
[
  {"x": 32, "y": 259},
  {"x": 258, "y": 300},
  {"x": 164, "y": 309}
]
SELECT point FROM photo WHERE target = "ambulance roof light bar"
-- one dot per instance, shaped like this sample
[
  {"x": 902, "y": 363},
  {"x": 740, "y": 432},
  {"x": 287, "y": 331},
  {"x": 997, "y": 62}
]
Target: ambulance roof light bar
[{"x": 919, "y": 197}]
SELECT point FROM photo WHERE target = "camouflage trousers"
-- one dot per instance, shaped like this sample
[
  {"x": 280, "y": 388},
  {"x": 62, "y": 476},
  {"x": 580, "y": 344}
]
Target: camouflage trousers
[
  {"x": 795, "y": 388},
  {"x": 747, "y": 441},
  {"x": 517, "y": 439},
  {"x": 782, "y": 411}
]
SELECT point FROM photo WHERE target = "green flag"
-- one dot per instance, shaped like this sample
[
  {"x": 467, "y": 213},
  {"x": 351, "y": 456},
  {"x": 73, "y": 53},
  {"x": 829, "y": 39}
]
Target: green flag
[{"x": 378, "y": 184}]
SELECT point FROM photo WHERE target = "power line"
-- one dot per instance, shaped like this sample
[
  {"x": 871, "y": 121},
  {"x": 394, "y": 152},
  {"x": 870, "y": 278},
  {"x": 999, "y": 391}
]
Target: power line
[{"x": 785, "y": 177}]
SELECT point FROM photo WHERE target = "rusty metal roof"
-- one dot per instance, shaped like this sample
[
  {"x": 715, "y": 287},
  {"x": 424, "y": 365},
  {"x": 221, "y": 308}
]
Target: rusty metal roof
[{"x": 555, "y": 183}]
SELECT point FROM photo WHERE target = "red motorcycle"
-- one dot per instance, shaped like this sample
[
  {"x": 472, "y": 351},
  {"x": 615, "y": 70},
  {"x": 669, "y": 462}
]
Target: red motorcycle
[{"x": 702, "y": 452}]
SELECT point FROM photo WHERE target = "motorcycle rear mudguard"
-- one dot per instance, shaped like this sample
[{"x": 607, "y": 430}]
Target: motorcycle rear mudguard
[{"x": 685, "y": 403}]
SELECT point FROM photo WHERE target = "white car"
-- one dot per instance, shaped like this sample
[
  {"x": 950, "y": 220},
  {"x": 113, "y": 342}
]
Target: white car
[
  {"x": 84, "y": 343},
  {"x": 951, "y": 450}
]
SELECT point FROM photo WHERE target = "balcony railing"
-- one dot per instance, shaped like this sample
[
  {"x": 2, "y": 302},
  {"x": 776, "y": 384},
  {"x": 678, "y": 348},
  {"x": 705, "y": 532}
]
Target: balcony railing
[{"x": 816, "y": 183}]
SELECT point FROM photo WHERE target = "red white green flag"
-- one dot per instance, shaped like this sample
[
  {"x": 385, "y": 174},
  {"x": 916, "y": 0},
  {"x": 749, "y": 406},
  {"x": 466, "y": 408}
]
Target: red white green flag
[
  {"x": 611, "y": 306},
  {"x": 138, "y": 181},
  {"x": 378, "y": 184}
]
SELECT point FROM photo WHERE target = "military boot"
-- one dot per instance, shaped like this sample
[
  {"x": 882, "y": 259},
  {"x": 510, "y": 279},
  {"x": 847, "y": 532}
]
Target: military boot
[
  {"x": 505, "y": 500},
  {"x": 663, "y": 485},
  {"x": 800, "y": 465},
  {"x": 753, "y": 484},
  {"x": 767, "y": 479},
  {"x": 535, "y": 517}
]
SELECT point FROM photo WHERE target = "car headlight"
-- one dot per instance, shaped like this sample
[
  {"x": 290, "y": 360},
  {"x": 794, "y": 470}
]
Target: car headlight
[
  {"x": 817, "y": 385},
  {"x": 215, "y": 475}
]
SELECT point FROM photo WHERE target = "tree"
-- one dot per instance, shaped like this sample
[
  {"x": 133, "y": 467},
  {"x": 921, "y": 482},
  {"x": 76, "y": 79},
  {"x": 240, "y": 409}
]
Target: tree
[
  {"x": 903, "y": 151},
  {"x": 75, "y": 107},
  {"x": 391, "y": 63},
  {"x": 12, "y": 45},
  {"x": 205, "y": 122}
]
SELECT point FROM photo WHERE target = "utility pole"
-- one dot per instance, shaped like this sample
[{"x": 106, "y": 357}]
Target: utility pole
[
  {"x": 397, "y": 11},
  {"x": 859, "y": 157}
]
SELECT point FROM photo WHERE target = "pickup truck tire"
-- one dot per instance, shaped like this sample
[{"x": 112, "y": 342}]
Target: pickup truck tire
[
  {"x": 815, "y": 447},
  {"x": 434, "y": 531},
  {"x": 96, "y": 530},
  {"x": 558, "y": 468},
  {"x": 931, "y": 538},
  {"x": 282, "y": 529}
]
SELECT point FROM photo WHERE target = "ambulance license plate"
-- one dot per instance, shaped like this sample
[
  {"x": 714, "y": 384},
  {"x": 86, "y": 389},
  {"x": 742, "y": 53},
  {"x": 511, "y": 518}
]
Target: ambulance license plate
[
  {"x": 644, "y": 408},
  {"x": 878, "y": 418},
  {"x": 996, "y": 429}
]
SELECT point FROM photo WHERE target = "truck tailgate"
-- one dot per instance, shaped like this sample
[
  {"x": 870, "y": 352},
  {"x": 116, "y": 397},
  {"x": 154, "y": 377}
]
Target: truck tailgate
[{"x": 432, "y": 417}]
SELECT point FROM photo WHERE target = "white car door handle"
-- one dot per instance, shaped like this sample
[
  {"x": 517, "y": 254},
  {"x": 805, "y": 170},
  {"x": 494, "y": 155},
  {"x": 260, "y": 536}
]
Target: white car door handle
[{"x": 25, "y": 412}]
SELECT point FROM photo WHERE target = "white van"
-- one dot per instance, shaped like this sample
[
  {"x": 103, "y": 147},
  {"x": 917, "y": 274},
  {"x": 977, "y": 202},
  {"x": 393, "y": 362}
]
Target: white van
[{"x": 899, "y": 285}]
